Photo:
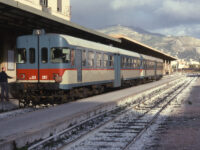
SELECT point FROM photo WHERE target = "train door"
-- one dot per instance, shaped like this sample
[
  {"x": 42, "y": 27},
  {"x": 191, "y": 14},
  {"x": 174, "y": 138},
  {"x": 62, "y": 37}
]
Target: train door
[
  {"x": 117, "y": 68},
  {"x": 78, "y": 61}
]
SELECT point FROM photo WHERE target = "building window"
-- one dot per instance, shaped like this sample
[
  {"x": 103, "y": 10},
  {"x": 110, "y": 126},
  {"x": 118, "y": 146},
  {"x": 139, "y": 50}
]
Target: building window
[
  {"x": 59, "y": 5},
  {"x": 44, "y": 3}
]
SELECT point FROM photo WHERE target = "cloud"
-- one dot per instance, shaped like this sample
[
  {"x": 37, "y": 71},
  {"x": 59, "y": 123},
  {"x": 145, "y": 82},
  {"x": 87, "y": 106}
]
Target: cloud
[
  {"x": 181, "y": 10},
  {"x": 121, "y": 4},
  {"x": 151, "y": 15}
]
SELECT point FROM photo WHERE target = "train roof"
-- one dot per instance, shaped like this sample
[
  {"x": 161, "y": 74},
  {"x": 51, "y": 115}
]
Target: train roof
[
  {"x": 98, "y": 46},
  {"x": 77, "y": 42},
  {"x": 151, "y": 58}
]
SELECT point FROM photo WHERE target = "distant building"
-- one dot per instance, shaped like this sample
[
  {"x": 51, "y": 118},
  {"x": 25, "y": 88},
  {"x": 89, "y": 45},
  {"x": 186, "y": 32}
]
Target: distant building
[
  {"x": 194, "y": 63},
  {"x": 58, "y": 8},
  {"x": 180, "y": 64}
]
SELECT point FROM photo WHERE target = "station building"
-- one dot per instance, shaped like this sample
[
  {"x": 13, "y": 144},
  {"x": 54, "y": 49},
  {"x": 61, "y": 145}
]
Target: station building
[
  {"x": 58, "y": 8},
  {"x": 21, "y": 17}
]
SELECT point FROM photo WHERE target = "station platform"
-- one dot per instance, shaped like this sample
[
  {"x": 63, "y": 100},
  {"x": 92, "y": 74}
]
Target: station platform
[
  {"x": 40, "y": 124},
  {"x": 12, "y": 104}
]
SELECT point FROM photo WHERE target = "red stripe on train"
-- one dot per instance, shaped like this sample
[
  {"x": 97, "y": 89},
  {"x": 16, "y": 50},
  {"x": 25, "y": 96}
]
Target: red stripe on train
[{"x": 45, "y": 74}]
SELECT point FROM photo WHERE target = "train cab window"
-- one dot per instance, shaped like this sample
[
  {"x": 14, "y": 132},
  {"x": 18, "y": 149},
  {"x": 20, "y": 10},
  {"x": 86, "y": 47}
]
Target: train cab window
[
  {"x": 21, "y": 55},
  {"x": 32, "y": 55},
  {"x": 44, "y": 55},
  {"x": 83, "y": 58},
  {"x": 60, "y": 55},
  {"x": 99, "y": 59},
  {"x": 91, "y": 59}
]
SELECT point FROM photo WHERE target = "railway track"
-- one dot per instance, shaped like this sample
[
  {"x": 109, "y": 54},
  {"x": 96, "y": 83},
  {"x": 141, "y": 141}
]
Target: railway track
[{"x": 116, "y": 129}]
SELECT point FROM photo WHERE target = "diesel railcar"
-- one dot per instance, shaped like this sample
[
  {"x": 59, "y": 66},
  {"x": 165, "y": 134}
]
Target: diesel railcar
[{"x": 52, "y": 68}]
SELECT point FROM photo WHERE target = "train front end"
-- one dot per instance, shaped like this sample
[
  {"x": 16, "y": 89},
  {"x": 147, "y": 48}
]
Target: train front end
[{"x": 42, "y": 60}]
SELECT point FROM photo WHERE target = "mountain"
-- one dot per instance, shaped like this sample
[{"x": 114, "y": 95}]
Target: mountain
[{"x": 183, "y": 47}]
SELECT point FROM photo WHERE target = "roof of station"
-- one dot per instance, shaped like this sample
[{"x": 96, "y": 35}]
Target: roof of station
[
  {"x": 23, "y": 19},
  {"x": 132, "y": 45}
]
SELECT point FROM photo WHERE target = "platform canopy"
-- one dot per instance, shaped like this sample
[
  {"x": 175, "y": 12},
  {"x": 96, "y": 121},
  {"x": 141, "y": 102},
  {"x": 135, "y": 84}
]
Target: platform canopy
[{"x": 133, "y": 45}]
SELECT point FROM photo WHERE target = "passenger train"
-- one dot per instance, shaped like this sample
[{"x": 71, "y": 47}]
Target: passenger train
[{"x": 60, "y": 66}]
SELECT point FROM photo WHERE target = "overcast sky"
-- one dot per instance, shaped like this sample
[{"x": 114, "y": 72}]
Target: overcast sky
[{"x": 170, "y": 17}]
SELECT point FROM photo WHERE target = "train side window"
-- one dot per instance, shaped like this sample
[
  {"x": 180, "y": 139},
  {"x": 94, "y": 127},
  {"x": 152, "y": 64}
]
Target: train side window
[
  {"x": 21, "y": 55},
  {"x": 105, "y": 59},
  {"x": 110, "y": 60},
  {"x": 60, "y": 55},
  {"x": 83, "y": 58},
  {"x": 124, "y": 62},
  {"x": 135, "y": 62},
  {"x": 32, "y": 55},
  {"x": 135, "y": 65},
  {"x": 145, "y": 64},
  {"x": 99, "y": 59},
  {"x": 91, "y": 59},
  {"x": 44, "y": 55},
  {"x": 139, "y": 63},
  {"x": 129, "y": 62},
  {"x": 132, "y": 63}
]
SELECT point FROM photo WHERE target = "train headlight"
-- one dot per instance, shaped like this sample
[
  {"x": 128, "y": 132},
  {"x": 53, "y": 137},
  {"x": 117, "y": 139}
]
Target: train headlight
[
  {"x": 57, "y": 78},
  {"x": 22, "y": 76}
]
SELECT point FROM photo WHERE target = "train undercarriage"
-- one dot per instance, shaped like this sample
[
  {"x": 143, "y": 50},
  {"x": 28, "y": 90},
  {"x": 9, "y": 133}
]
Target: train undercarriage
[{"x": 45, "y": 94}]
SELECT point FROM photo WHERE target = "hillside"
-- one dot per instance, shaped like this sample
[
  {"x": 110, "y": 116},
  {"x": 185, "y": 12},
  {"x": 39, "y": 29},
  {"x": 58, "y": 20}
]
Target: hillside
[{"x": 183, "y": 47}]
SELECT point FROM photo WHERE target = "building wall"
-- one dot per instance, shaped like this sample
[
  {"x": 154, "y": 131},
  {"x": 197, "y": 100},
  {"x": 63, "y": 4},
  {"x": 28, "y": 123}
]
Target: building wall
[
  {"x": 7, "y": 45},
  {"x": 51, "y": 8},
  {"x": 167, "y": 67}
]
